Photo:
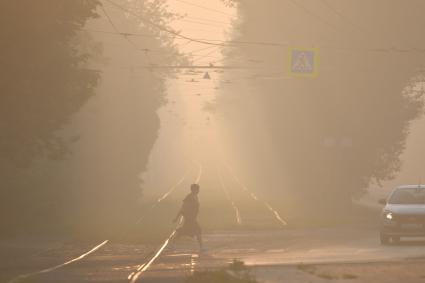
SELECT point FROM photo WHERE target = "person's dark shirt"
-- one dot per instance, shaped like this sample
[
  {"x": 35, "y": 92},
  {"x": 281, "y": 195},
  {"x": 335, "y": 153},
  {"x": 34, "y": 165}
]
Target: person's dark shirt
[{"x": 190, "y": 207}]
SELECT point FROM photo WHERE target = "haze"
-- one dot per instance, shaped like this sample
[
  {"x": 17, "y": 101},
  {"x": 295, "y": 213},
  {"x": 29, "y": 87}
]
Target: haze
[{"x": 296, "y": 118}]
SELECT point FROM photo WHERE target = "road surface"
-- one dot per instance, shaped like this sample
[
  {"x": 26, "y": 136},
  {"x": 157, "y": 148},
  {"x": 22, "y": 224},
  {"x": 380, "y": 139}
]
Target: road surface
[{"x": 242, "y": 226}]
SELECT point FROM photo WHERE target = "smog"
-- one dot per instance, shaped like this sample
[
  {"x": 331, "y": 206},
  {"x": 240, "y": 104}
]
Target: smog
[{"x": 212, "y": 141}]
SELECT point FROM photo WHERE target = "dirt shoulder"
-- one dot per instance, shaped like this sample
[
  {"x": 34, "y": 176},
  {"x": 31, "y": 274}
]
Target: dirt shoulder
[{"x": 406, "y": 271}]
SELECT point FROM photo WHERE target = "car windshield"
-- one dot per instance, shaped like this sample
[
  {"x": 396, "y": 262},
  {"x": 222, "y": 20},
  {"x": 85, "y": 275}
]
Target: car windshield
[{"x": 408, "y": 196}]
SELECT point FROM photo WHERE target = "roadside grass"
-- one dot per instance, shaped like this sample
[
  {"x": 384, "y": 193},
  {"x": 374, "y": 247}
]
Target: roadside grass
[
  {"x": 309, "y": 268},
  {"x": 326, "y": 276},
  {"x": 236, "y": 272},
  {"x": 221, "y": 276},
  {"x": 349, "y": 276},
  {"x": 314, "y": 270}
]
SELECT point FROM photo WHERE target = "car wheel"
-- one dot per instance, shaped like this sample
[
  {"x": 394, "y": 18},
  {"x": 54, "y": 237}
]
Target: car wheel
[
  {"x": 395, "y": 240},
  {"x": 385, "y": 239}
]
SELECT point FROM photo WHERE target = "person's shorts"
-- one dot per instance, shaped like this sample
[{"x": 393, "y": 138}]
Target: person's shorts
[{"x": 189, "y": 228}]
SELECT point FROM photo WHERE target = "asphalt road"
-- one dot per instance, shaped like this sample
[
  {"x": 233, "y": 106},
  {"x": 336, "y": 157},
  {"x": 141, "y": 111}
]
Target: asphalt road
[
  {"x": 115, "y": 262},
  {"x": 272, "y": 244}
]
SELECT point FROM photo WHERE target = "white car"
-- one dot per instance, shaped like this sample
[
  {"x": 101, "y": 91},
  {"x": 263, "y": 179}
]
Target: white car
[{"x": 403, "y": 214}]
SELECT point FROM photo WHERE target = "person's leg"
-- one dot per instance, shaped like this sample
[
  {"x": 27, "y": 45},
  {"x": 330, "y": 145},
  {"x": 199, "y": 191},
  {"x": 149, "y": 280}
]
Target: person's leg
[
  {"x": 199, "y": 238},
  {"x": 176, "y": 236}
]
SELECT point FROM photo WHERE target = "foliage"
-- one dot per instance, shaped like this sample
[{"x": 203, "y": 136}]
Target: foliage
[
  {"x": 237, "y": 265},
  {"x": 325, "y": 138},
  {"x": 236, "y": 272},
  {"x": 42, "y": 80},
  {"x": 47, "y": 76},
  {"x": 155, "y": 19}
]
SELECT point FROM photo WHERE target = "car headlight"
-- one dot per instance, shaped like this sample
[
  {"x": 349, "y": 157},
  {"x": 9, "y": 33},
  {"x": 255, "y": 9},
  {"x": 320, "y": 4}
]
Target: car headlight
[{"x": 388, "y": 215}]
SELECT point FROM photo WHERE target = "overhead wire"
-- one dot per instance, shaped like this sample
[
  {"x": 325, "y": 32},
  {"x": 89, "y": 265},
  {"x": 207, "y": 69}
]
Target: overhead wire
[
  {"x": 116, "y": 29},
  {"x": 342, "y": 16},
  {"x": 206, "y": 55},
  {"x": 233, "y": 43},
  {"x": 226, "y": 43},
  {"x": 352, "y": 23},
  {"x": 313, "y": 14},
  {"x": 117, "y": 32},
  {"x": 200, "y": 23},
  {"x": 194, "y": 53},
  {"x": 236, "y": 43},
  {"x": 222, "y": 43},
  {"x": 204, "y": 7},
  {"x": 160, "y": 27},
  {"x": 357, "y": 27},
  {"x": 186, "y": 43},
  {"x": 207, "y": 20},
  {"x": 200, "y": 49},
  {"x": 145, "y": 50}
]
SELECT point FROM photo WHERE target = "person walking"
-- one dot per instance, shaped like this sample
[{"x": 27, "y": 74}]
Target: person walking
[{"x": 189, "y": 211}]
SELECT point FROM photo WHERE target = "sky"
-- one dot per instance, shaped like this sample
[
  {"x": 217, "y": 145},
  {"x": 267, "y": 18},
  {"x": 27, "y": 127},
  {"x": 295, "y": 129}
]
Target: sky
[{"x": 187, "y": 129}]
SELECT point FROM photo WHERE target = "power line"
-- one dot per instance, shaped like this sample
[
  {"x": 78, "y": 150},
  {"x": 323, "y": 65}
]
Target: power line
[
  {"x": 145, "y": 50},
  {"x": 226, "y": 43},
  {"x": 123, "y": 34},
  {"x": 161, "y": 28},
  {"x": 118, "y": 33},
  {"x": 206, "y": 55},
  {"x": 176, "y": 35},
  {"x": 185, "y": 19},
  {"x": 201, "y": 49},
  {"x": 203, "y": 7},
  {"x": 201, "y": 23},
  {"x": 341, "y": 15},
  {"x": 207, "y": 20},
  {"x": 194, "y": 67},
  {"x": 346, "y": 19},
  {"x": 192, "y": 53},
  {"x": 311, "y": 13},
  {"x": 236, "y": 43},
  {"x": 186, "y": 43}
]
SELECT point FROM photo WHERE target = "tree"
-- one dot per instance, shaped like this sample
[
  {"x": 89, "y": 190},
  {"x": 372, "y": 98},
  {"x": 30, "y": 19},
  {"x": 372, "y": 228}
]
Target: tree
[
  {"x": 330, "y": 136},
  {"x": 43, "y": 81},
  {"x": 63, "y": 169}
]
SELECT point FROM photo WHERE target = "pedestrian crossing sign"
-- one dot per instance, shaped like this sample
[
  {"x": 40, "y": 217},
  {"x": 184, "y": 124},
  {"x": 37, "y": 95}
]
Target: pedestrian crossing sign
[{"x": 303, "y": 62}]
